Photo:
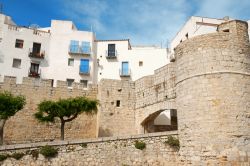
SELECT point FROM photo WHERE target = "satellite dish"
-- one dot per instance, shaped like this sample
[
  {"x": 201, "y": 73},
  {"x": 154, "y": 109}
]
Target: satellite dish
[{"x": 34, "y": 26}]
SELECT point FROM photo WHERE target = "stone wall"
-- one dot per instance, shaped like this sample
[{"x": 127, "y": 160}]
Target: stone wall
[
  {"x": 116, "y": 113},
  {"x": 213, "y": 96},
  {"x": 23, "y": 127},
  {"x": 155, "y": 93},
  {"x": 112, "y": 151}
]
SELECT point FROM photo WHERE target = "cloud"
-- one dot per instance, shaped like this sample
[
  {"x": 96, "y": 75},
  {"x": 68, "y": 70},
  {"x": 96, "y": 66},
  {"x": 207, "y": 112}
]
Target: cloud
[
  {"x": 220, "y": 8},
  {"x": 147, "y": 21}
]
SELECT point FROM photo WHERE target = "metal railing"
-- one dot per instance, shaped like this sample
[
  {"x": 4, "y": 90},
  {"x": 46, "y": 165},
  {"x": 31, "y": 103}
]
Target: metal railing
[
  {"x": 39, "y": 55},
  {"x": 125, "y": 73},
  {"x": 35, "y": 74},
  {"x": 111, "y": 54},
  {"x": 78, "y": 50}
]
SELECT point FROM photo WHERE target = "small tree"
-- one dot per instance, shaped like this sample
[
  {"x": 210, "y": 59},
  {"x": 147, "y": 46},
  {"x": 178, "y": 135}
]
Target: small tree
[
  {"x": 65, "y": 109},
  {"x": 9, "y": 106}
]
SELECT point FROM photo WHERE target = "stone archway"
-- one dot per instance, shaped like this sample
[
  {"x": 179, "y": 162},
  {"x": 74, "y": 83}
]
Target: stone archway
[{"x": 159, "y": 121}]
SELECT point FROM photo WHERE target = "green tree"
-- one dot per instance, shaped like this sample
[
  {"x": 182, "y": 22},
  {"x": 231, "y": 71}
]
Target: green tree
[
  {"x": 65, "y": 110},
  {"x": 9, "y": 106}
]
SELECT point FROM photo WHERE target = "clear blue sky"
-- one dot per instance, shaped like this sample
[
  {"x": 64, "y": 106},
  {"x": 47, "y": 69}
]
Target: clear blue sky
[{"x": 143, "y": 21}]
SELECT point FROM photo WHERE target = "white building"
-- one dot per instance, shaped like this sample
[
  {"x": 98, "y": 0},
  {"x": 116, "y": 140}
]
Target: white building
[
  {"x": 23, "y": 51},
  {"x": 61, "y": 52},
  {"x": 196, "y": 26},
  {"x": 117, "y": 59},
  {"x": 72, "y": 54}
]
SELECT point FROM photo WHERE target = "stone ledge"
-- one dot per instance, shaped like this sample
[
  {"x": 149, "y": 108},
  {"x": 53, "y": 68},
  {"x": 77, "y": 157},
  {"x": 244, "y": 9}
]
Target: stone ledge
[{"x": 93, "y": 140}]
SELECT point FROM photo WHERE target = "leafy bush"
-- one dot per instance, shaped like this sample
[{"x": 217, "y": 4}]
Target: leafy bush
[
  {"x": 48, "y": 151},
  {"x": 17, "y": 156},
  {"x": 3, "y": 157},
  {"x": 34, "y": 153},
  {"x": 84, "y": 145},
  {"x": 140, "y": 145},
  {"x": 173, "y": 142}
]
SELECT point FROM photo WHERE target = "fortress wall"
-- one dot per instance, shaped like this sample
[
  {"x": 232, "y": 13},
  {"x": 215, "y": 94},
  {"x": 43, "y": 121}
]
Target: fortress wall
[
  {"x": 23, "y": 127},
  {"x": 112, "y": 151},
  {"x": 155, "y": 93},
  {"x": 114, "y": 119},
  {"x": 213, "y": 92}
]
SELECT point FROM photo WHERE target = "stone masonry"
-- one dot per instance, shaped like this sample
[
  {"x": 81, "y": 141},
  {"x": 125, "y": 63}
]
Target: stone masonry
[
  {"x": 112, "y": 151},
  {"x": 208, "y": 85},
  {"x": 23, "y": 127}
]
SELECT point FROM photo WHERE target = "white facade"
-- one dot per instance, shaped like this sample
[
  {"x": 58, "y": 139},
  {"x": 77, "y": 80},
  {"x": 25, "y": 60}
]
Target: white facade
[
  {"x": 142, "y": 60},
  {"x": 15, "y": 59},
  {"x": 196, "y": 26},
  {"x": 62, "y": 33},
  {"x": 58, "y": 60}
]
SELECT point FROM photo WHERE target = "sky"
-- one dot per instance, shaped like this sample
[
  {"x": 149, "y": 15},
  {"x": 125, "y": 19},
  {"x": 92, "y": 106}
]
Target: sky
[{"x": 144, "y": 22}]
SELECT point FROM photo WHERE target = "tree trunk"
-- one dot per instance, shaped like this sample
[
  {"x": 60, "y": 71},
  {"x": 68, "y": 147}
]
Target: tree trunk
[
  {"x": 62, "y": 129},
  {"x": 2, "y": 123}
]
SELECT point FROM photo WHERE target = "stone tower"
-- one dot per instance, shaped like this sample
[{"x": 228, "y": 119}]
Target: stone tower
[{"x": 213, "y": 96}]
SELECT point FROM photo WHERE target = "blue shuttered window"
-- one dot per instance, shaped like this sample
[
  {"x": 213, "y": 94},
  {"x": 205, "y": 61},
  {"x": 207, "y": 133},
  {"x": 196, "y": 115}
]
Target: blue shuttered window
[
  {"x": 85, "y": 48},
  {"x": 125, "y": 68},
  {"x": 74, "y": 46},
  {"x": 84, "y": 66}
]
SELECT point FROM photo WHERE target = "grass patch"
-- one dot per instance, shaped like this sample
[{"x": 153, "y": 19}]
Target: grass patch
[
  {"x": 48, "y": 151},
  {"x": 3, "y": 157},
  {"x": 173, "y": 142},
  {"x": 17, "y": 156},
  {"x": 140, "y": 145}
]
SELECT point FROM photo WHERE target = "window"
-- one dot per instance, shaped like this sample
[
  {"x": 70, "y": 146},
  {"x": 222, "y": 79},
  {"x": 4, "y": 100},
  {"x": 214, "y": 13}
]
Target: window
[
  {"x": 19, "y": 43},
  {"x": 34, "y": 68},
  {"x": 84, "y": 66},
  {"x": 118, "y": 103},
  {"x": 85, "y": 48},
  {"x": 140, "y": 63},
  {"x": 125, "y": 69},
  {"x": 70, "y": 82},
  {"x": 74, "y": 46},
  {"x": 70, "y": 62},
  {"x": 16, "y": 63},
  {"x": 85, "y": 83},
  {"x": 111, "y": 50},
  {"x": 36, "y": 48},
  {"x": 186, "y": 35}
]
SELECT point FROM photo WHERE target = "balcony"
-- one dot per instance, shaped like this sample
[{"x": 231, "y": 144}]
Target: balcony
[
  {"x": 78, "y": 50},
  {"x": 111, "y": 54},
  {"x": 39, "y": 55},
  {"x": 84, "y": 70},
  {"x": 125, "y": 73},
  {"x": 34, "y": 74}
]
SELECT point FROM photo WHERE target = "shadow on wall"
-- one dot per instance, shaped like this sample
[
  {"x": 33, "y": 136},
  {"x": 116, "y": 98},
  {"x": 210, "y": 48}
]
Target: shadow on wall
[{"x": 104, "y": 132}]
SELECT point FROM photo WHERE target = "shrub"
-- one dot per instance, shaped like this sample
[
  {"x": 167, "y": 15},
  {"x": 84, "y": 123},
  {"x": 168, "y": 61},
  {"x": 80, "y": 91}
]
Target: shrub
[
  {"x": 17, "y": 156},
  {"x": 84, "y": 145},
  {"x": 48, "y": 151},
  {"x": 3, "y": 157},
  {"x": 34, "y": 153},
  {"x": 140, "y": 145},
  {"x": 173, "y": 142}
]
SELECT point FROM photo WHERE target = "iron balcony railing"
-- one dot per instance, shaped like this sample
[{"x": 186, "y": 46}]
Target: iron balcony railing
[
  {"x": 111, "y": 54},
  {"x": 35, "y": 74},
  {"x": 79, "y": 50},
  {"x": 39, "y": 55},
  {"x": 125, "y": 73},
  {"x": 85, "y": 71}
]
